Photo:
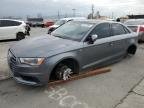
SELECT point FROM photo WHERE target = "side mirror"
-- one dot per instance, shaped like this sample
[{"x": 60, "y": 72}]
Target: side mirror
[{"x": 94, "y": 37}]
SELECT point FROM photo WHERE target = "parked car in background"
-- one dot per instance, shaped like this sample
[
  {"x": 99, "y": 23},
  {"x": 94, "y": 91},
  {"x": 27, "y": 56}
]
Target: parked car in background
[
  {"x": 49, "y": 23},
  {"x": 35, "y": 22},
  {"x": 74, "y": 47},
  {"x": 137, "y": 25},
  {"x": 12, "y": 29},
  {"x": 63, "y": 21}
]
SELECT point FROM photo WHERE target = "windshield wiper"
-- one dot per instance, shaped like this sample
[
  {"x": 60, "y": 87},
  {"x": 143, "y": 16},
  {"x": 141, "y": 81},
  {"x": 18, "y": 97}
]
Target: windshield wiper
[
  {"x": 59, "y": 36},
  {"x": 63, "y": 37}
]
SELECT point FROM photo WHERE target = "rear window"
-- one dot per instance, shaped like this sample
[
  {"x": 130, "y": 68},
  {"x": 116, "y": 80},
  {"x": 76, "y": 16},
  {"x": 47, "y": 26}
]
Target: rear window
[{"x": 118, "y": 29}]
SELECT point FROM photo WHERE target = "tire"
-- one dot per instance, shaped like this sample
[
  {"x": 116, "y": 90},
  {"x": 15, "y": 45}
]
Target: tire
[
  {"x": 20, "y": 36},
  {"x": 132, "y": 50},
  {"x": 63, "y": 72},
  {"x": 42, "y": 25}
]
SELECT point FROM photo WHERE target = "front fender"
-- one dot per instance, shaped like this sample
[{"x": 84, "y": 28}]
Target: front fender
[{"x": 51, "y": 62}]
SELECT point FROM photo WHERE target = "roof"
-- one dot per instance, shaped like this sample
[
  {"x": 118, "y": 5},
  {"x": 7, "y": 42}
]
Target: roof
[
  {"x": 72, "y": 18},
  {"x": 96, "y": 21}
]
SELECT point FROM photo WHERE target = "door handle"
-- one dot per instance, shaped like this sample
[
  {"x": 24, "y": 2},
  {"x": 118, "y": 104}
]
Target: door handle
[{"x": 111, "y": 44}]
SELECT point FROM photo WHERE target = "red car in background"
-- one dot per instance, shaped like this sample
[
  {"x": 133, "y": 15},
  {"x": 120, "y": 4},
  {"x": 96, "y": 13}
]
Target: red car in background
[{"x": 49, "y": 23}]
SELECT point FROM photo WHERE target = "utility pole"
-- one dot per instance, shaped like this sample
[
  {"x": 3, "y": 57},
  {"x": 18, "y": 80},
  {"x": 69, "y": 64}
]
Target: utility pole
[
  {"x": 74, "y": 12},
  {"x": 112, "y": 15},
  {"x": 58, "y": 15},
  {"x": 92, "y": 9}
]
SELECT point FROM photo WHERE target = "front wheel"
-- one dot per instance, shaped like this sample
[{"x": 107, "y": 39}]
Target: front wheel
[{"x": 63, "y": 72}]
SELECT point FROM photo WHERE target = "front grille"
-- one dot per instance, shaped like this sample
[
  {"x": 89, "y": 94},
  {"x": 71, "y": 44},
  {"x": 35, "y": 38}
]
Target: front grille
[{"x": 13, "y": 61}]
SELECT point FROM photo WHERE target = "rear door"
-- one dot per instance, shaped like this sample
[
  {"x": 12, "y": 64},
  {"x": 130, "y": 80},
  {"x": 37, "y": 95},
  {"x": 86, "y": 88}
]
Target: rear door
[
  {"x": 9, "y": 29},
  {"x": 12, "y": 28},
  {"x": 119, "y": 37}
]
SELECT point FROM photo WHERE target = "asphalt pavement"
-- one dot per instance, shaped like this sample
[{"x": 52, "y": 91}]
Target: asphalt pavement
[{"x": 123, "y": 87}]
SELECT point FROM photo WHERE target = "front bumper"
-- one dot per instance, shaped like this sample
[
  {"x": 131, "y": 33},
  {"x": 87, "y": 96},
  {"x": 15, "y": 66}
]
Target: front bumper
[{"x": 26, "y": 74}]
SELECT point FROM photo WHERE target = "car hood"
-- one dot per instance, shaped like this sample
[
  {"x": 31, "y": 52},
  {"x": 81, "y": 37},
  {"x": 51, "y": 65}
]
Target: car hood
[{"x": 43, "y": 46}]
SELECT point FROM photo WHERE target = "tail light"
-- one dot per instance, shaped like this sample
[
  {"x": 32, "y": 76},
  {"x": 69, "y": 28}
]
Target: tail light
[{"x": 141, "y": 29}]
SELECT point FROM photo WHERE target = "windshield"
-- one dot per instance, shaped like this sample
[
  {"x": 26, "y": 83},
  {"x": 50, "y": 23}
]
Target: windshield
[
  {"x": 60, "y": 22},
  {"x": 72, "y": 30},
  {"x": 135, "y": 22}
]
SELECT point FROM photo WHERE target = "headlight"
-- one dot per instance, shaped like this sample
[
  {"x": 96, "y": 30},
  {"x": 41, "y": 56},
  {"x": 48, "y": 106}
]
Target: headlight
[{"x": 32, "y": 61}]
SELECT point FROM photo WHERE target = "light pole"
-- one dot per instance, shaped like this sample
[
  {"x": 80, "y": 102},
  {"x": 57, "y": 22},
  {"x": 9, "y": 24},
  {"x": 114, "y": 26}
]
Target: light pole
[
  {"x": 58, "y": 15},
  {"x": 112, "y": 15},
  {"x": 92, "y": 11},
  {"x": 74, "y": 12}
]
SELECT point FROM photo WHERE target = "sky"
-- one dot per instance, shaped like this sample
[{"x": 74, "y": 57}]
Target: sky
[{"x": 23, "y": 8}]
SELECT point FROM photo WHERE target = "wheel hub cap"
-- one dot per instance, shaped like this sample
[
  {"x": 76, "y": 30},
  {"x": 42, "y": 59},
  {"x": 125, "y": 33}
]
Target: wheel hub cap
[{"x": 67, "y": 73}]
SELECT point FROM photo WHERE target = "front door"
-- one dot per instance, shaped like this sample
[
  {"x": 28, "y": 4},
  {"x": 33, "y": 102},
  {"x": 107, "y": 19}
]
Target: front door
[{"x": 100, "y": 50}]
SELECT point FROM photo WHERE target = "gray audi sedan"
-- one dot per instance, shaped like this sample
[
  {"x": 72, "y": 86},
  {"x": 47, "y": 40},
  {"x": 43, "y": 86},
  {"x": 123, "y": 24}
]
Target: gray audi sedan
[{"x": 70, "y": 49}]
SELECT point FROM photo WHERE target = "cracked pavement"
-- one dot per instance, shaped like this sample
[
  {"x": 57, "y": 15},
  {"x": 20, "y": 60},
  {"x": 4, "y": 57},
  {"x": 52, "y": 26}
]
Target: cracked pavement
[{"x": 134, "y": 99}]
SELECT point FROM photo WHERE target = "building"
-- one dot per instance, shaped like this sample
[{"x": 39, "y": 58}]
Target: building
[{"x": 135, "y": 16}]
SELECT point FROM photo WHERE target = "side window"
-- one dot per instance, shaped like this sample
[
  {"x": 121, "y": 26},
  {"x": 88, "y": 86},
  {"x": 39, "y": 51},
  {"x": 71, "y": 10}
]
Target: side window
[
  {"x": 7, "y": 23},
  {"x": 102, "y": 30},
  {"x": 118, "y": 29},
  {"x": 0, "y": 24},
  {"x": 15, "y": 23},
  {"x": 126, "y": 30}
]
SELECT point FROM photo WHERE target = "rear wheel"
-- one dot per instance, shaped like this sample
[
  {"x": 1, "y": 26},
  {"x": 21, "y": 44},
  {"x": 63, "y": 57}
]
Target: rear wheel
[
  {"x": 20, "y": 36},
  {"x": 132, "y": 50}
]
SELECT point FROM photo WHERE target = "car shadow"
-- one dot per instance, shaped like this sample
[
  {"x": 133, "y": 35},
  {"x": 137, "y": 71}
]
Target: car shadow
[{"x": 8, "y": 40}]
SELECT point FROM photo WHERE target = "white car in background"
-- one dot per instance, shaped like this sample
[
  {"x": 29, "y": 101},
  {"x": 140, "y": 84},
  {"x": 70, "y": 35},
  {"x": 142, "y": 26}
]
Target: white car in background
[
  {"x": 63, "y": 21},
  {"x": 12, "y": 29}
]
